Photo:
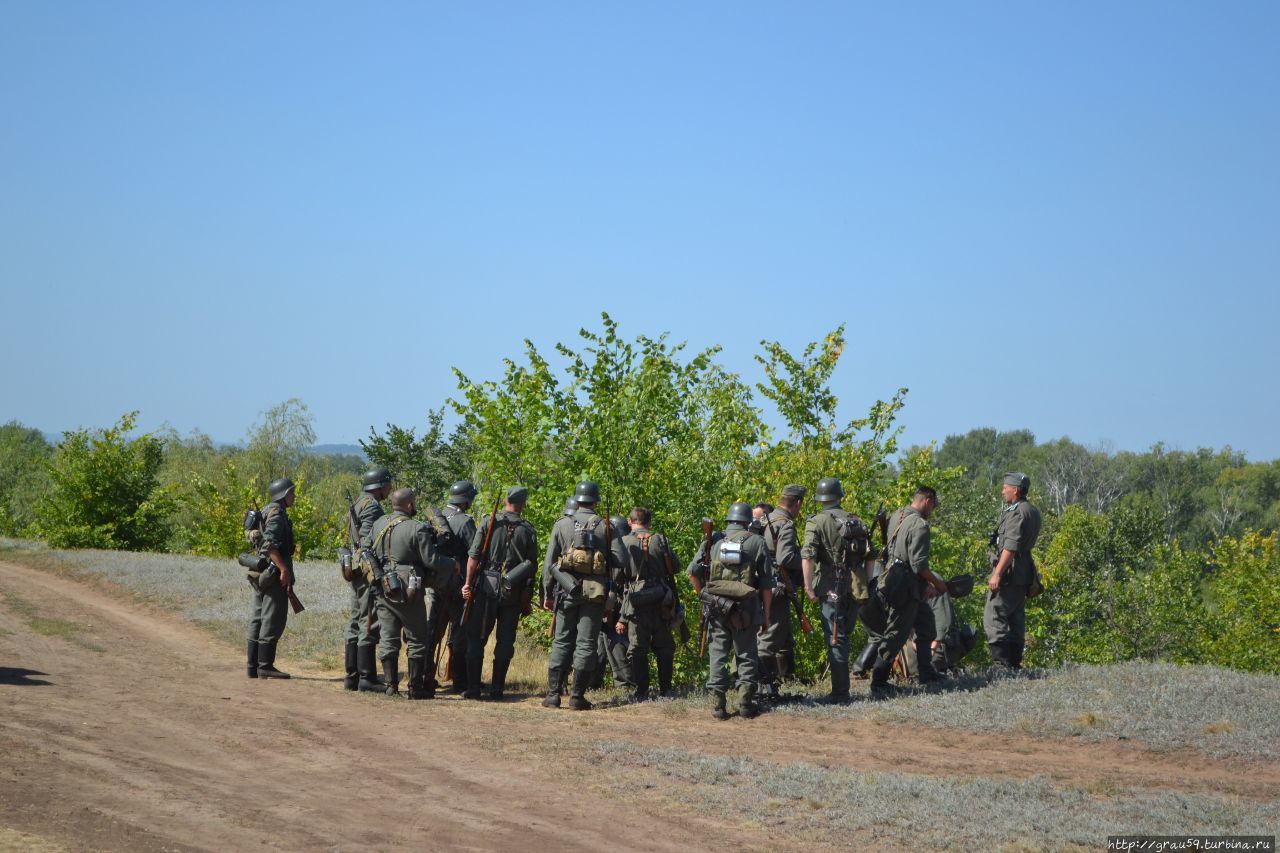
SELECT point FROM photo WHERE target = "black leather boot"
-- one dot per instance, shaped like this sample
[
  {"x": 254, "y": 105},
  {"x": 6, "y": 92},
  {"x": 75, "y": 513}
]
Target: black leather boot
[
  {"x": 554, "y": 676},
  {"x": 866, "y": 660},
  {"x": 418, "y": 681},
  {"x": 880, "y": 686},
  {"x": 666, "y": 665},
  {"x": 460, "y": 682},
  {"x": 391, "y": 675},
  {"x": 267, "y": 661},
  {"x": 252, "y": 667},
  {"x": 499, "y": 679},
  {"x": 924, "y": 664},
  {"x": 578, "y": 695},
  {"x": 366, "y": 658},
  {"x": 352, "y": 681},
  {"x": 718, "y": 709}
]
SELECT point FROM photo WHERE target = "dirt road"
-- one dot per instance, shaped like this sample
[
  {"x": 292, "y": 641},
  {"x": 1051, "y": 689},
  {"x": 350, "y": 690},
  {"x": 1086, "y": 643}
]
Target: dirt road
[{"x": 124, "y": 728}]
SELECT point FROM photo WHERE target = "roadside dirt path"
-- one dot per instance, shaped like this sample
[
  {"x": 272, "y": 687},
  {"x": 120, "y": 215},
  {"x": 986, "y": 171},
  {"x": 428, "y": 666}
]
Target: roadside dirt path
[{"x": 124, "y": 728}]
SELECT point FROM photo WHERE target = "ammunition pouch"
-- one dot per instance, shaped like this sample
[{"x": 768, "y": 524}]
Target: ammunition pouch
[
  {"x": 585, "y": 540},
  {"x": 583, "y": 561},
  {"x": 369, "y": 563}
]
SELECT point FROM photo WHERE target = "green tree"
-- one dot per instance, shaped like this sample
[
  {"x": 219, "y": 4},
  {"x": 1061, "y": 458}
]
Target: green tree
[
  {"x": 429, "y": 463},
  {"x": 104, "y": 491},
  {"x": 24, "y": 455},
  {"x": 1245, "y": 590},
  {"x": 985, "y": 454},
  {"x": 276, "y": 446}
]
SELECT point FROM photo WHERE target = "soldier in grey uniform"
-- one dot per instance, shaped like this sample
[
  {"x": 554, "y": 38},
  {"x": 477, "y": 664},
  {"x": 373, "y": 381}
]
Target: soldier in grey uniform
[
  {"x": 271, "y": 600},
  {"x": 736, "y": 589},
  {"x": 613, "y": 643},
  {"x": 461, "y": 496},
  {"x": 899, "y": 593},
  {"x": 362, "y": 632},
  {"x": 777, "y": 642},
  {"x": 498, "y": 594},
  {"x": 1013, "y": 571},
  {"x": 408, "y": 548},
  {"x": 649, "y": 593},
  {"x": 835, "y": 547},
  {"x": 549, "y": 593},
  {"x": 578, "y": 571}
]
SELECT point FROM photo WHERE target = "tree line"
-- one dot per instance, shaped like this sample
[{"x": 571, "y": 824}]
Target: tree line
[{"x": 1166, "y": 555}]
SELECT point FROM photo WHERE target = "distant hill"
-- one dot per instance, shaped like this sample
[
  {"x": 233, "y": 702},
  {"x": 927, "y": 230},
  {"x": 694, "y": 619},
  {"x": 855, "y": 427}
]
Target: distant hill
[{"x": 336, "y": 450}]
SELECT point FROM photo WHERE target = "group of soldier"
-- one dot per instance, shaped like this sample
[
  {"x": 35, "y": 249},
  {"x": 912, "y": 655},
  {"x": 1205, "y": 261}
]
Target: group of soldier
[{"x": 437, "y": 581}]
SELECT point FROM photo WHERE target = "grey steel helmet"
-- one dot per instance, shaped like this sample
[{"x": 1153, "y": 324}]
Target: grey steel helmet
[
  {"x": 462, "y": 492},
  {"x": 620, "y": 524},
  {"x": 829, "y": 489},
  {"x": 279, "y": 488},
  {"x": 570, "y": 506},
  {"x": 376, "y": 478},
  {"x": 587, "y": 492},
  {"x": 739, "y": 512}
]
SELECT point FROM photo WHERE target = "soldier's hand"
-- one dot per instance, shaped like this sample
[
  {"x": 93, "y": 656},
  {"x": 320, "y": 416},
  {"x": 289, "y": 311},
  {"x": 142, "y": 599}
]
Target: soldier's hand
[
  {"x": 620, "y": 629},
  {"x": 810, "y": 594},
  {"x": 466, "y": 592},
  {"x": 993, "y": 583},
  {"x": 286, "y": 578},
  {"x": 546, "y": 604}
]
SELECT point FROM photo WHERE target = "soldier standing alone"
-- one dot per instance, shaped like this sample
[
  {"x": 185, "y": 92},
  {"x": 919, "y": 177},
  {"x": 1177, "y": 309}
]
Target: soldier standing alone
[
  {"x": 1013, "y": 572},
  {"x": 736, "y": 589},
  {"x": 271, "y": 596}
]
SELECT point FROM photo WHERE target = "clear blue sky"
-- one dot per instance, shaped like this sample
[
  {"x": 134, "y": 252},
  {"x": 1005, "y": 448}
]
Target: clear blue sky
[{"x": 1064, "y": 217}]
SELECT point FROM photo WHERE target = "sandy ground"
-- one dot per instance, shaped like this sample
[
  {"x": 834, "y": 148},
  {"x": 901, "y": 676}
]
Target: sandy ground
[{"x": 137, "y": 731}]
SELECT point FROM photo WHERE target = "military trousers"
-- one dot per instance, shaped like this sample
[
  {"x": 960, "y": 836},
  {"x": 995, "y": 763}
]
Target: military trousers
[
  {"x": 725, "y": 643},
  {"x": 777, "y": 639},
  {"x": 577, "y": 633},
  {"x": 838, "y": 619},
  {"x": 897, "y": 628},
  {"x": 1005, "y": 620},
  {"x": 358, "y": 628},
  {"x": 486, "y": 615},
  {"x": 409, "y": 617},
  {"x": 646, "y": 633},
  {"x": 267, "y": 619},
  {"x": 440, "y": 611}
]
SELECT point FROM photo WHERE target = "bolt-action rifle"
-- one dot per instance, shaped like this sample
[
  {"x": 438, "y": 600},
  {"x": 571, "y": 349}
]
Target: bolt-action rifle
[{"x": 466, "y": 608}]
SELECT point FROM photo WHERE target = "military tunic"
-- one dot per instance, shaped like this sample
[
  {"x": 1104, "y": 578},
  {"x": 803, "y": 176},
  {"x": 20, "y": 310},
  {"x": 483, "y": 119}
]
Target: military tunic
[
  {"x": 271, "y": 607},
  {"x": 513, "y": 541},
  {"x": 725, "y": 637},
  {"x": 577, "y": 617},
  {"x": 777, "y": 643},
  {"x": 1005, "y": 616},
  {"x": 367, "y": 510},
  {"x": 409, "y": 549},
  {"x": 840, "y": 582},
  {"x": 650, "y": 564}
]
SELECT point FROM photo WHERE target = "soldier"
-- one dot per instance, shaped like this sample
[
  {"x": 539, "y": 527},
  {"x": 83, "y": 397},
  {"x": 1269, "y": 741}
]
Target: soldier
[
  {"x": 1013, "y": 572},
  {"x": 650, "y": 594},
  {"x": 899, "y": 591},
  {"x": 504, "y": 576},
  {"x": 362, "y": 632},
  {"x": 732, "y": 585},
  {"x": 408, "y": 550},
  {"x": 613, "y": 642},
  {"x": 582, "y": 569},
  {"x": 271, "y": 598},
  {"x": 461, "y": 496},
  {"x": 835, "y": 546},
  {"x": 777, "y": 642}
]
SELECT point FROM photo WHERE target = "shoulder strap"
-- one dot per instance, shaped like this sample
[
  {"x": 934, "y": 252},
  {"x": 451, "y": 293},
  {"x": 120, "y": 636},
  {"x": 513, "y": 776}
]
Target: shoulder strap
[{"x": 384, "y": 536}]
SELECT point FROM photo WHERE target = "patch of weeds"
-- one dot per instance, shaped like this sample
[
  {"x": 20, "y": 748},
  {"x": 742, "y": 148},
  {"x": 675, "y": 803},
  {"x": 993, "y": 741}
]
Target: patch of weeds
[{"x": 1221, "y": 727}]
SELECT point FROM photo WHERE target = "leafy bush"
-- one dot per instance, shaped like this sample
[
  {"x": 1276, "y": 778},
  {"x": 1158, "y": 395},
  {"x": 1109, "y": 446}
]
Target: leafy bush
[
  {"x": 1245, "y": 592},
  {"x": 104, "y": 491}
]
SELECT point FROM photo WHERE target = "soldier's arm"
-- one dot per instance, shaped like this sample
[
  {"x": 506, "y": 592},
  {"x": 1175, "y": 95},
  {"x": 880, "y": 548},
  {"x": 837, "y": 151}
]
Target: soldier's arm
[
  {"x": 695, "y": 569},
  {"x": 807, "y": 556},
  {"x": 273, "y": 537},
  {"x": 918, "y": 555},
  {"x": 431, "y": 557},
  {"x": 368, "y": 512},
  {"x": 788, "y": 552}
]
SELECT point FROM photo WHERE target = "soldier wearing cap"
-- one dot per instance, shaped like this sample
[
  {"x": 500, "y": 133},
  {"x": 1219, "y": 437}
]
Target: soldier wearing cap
[
  {"x": 362, "y": 632},
  {"x": 1013, "y": 572},
  {"x": 461, "y": 495},
  {"x": 833, "y": 563},
  {"x": 611, "y": 647},
  {"x": 736, "y": 588},
  {"x": 270, "y": 599},
  {"x": 900, "y": 591},
  {"x": 578, "y": 571},
  {"x": 777, "y": 641},
  {"x": 499, "y": 586}
]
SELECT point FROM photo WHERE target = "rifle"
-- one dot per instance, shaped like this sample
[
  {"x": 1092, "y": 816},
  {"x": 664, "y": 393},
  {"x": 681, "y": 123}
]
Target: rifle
[
  {"x": 805, "y": 625},
  {"x": 466, "y": 607},
  {"x": 882, "y": 521},
  {"x": 347, "y": 573},
  {"x": 608, "y": 555},
  {"x": 703, "y": 626}
]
